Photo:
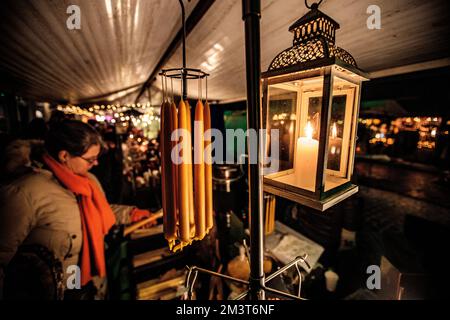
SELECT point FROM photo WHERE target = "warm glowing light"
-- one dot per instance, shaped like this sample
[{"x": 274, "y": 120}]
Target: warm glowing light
[
  {"x": 433, "y": 133},
  {"x": 309, "y": 130},
  {"x": 334, "y": 131}
]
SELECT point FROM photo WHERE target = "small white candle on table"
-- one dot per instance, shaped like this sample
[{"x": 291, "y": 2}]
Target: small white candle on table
[{"x": 306, "y": 160}]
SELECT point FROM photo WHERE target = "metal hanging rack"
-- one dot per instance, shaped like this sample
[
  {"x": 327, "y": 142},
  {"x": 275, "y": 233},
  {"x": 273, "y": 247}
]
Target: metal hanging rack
[
  {"x": 184, "y": 73},
  {"x": 257, "y": 282}
]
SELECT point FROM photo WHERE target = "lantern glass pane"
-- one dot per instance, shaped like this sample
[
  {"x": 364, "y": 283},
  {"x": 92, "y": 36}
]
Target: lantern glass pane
[
  {"x": 294, "y": 109},
  {"x": 282, "y": 116},
  {"x": 341, "y": 133}
]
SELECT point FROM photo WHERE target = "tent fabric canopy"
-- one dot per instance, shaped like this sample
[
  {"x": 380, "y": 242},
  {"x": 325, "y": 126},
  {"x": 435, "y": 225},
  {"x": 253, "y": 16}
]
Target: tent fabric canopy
[{"x": 121, "y": 41}]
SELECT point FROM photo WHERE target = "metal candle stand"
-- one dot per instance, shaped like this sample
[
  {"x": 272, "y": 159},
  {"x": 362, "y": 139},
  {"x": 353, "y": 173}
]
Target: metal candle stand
[
  {"x": 193, "y": 273},
  {"x": 257, "y": 282}
]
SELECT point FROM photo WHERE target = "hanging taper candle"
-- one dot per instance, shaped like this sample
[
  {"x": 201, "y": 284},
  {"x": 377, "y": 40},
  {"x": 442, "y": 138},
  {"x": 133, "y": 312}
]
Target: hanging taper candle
[
  {"x": 208, "y": 168},
  {"x": 183, "y": 175},
  {"x": 192, "y": 222},
  {"x": 168, "y": 173},
  {"x": 199, "y": 173}
]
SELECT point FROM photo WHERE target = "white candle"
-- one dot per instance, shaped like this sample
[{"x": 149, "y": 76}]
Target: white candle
[{"x": 306, "y": 160}]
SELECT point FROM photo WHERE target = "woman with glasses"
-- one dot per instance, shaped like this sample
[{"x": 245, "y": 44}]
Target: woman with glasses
[{"x": 61, "y": 206}]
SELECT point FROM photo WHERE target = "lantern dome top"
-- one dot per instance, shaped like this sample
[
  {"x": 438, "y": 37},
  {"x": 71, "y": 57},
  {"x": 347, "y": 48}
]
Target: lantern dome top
[{"x": 313, "y": 45}]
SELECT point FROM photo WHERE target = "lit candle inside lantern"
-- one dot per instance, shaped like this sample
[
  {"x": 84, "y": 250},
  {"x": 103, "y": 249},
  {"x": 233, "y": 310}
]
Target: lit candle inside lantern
[
  {"x": 334, "y": 149},
  {"x": 306, "y": 162}
]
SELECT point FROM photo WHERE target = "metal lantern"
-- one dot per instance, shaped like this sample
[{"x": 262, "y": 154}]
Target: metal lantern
[{"x": 311, "y": 94}]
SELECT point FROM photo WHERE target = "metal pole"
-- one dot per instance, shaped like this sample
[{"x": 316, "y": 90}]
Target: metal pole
[
  {"x": 251, "y": 13},
  {"x": 183, "y": 18}
]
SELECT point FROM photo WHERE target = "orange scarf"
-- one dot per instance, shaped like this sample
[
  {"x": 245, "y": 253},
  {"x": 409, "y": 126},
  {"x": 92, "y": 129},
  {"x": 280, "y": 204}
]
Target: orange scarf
[{"x": 96, "y": 218}]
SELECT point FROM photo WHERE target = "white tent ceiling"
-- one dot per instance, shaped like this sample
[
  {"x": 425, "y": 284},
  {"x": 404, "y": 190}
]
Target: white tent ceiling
[{"x": 121, "y": 41}]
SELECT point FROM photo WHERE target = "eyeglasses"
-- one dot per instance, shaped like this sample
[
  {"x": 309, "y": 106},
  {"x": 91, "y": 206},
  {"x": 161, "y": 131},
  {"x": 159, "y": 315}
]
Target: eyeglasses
[{"x": 90, "y": 161}]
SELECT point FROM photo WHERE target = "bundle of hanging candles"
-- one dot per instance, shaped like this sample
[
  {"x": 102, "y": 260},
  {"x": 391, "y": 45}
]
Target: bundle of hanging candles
[{"x": 186, "y": 184}]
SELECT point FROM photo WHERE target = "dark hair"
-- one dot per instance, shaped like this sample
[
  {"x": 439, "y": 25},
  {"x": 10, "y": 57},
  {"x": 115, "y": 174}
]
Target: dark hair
[{"x": 75, "y": 137}]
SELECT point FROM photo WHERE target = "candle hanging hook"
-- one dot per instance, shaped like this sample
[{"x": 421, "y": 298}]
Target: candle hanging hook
[
  {"x": 163, "y": 90},
  {"x": 181, "y": 83},
  {"x": 191, "y": 283},
  {"x": 171, "y": 87},
  {"x": 300, "y": 279},
  {"x": 199, "y": 93},
  {"x": 206, "y": 88},
  {"x": 167, "y": 93}
]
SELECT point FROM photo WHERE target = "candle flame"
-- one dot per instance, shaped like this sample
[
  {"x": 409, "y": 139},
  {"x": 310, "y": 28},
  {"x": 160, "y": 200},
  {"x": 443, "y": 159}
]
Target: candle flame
[
  {"x": 334, "y": 131},
  {"x": 309, "y": 130}
]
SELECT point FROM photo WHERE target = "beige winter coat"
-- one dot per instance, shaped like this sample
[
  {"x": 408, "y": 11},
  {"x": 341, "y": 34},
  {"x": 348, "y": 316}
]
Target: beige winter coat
[{"x": 37, "y": 209}]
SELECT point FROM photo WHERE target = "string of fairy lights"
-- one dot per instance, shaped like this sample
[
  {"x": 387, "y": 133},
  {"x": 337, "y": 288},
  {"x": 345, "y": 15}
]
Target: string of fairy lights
[{"x": 139, "y": 114}]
